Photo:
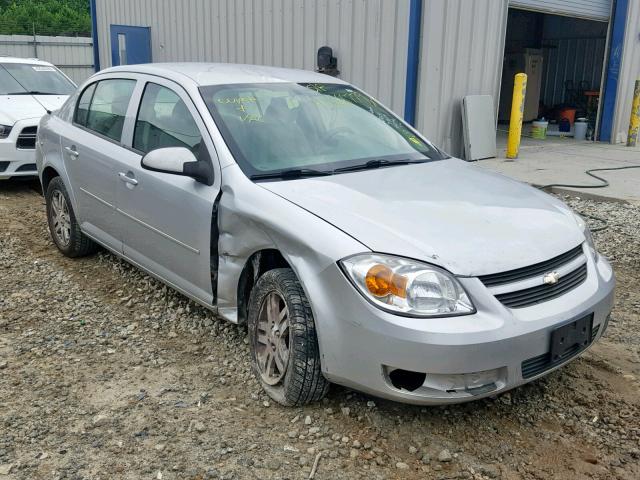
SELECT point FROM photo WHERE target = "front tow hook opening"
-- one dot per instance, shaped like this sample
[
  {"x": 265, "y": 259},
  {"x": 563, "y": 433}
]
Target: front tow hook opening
[
  {"x": 470, "y": 384},
  {"x": 407, "y": 380}
]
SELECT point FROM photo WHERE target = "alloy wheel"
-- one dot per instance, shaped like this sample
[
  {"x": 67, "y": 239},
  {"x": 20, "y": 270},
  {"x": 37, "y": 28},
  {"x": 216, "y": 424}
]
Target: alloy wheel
[
  {"x": 60, "y": 218},
  {"x": 272, "y": 340}
]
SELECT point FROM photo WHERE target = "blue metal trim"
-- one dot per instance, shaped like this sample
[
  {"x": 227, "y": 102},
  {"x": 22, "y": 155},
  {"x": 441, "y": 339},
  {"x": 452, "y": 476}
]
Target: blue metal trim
[
  {"x": 413, "y": 60},
  {"x": 94, "y": 35},
  {"x": 613, "y": 70}
]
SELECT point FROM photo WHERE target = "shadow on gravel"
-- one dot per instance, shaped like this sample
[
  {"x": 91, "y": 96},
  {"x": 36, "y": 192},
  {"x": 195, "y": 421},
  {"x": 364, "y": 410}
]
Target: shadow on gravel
[{"x": 17, "y": 185}]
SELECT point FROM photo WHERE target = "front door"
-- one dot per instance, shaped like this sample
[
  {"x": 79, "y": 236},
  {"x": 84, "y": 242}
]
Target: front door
[
  {"x": 130, "y": 45},
  {"x": 89, "y": 145},
  {"x": 165, "y": 219}
]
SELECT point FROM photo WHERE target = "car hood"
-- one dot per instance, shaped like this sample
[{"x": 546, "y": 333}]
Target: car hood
[
  {"x": 448, "y": 212},
  {"x": 20, "y": 107}
]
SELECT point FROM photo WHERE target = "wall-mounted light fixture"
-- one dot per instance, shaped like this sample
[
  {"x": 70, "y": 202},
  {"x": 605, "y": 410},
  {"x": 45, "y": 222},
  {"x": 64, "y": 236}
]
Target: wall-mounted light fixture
[{"x": 327, "y": 63}]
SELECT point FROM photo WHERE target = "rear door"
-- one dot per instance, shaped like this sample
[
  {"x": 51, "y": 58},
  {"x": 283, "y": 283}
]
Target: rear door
[
  {"x": 89, "y": 146},
  {"x": 166, "y": 219}
]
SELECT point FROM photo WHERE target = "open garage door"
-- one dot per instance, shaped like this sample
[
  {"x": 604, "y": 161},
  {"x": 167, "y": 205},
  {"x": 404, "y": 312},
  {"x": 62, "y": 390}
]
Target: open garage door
[
  {"x": 564, "y": 58},
  {"x": 589, "y": 9}
]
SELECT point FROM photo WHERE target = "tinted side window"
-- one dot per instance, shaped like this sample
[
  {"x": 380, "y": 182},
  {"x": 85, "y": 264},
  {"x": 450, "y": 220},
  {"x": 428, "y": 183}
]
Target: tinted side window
[
  {"x": 109, "y": 106},
  {"x": 82, "y": 109},
  {"x": 164, "y": 121}
]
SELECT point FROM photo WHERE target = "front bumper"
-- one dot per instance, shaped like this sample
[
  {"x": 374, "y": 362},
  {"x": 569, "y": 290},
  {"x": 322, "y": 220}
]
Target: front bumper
[
  {"x": 15, "y": 161},
  {"x": 464, "y": 358}
]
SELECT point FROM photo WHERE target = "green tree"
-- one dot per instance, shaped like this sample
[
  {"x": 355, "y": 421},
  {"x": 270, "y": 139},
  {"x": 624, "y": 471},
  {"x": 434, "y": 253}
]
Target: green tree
[{"x": 50, "y": 17}]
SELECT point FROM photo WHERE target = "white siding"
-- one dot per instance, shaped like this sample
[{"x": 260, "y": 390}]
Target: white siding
[
  {"x": 629, "y": 72},
  {"x": 591, "y": 9},
  {"x": 73, "y": 55},
  {"x": 462, "y": 52},
  {"x": 369, "y": 37}
]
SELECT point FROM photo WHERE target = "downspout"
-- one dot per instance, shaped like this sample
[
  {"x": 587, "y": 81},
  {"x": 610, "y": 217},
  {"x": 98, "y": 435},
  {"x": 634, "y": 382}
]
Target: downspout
[
  {"x": 94, "y": 36},
  {"x": 413, "y": 61}
]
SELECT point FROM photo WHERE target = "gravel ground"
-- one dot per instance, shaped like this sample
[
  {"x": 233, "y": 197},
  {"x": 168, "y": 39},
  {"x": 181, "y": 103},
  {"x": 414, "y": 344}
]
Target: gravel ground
[{"x": 106, "y": 373}]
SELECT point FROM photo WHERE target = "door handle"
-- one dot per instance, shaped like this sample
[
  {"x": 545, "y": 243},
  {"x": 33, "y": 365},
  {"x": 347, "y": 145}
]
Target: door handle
[
  {"x": 72, "y": 151},
  {"x": 127, "y": 179}
]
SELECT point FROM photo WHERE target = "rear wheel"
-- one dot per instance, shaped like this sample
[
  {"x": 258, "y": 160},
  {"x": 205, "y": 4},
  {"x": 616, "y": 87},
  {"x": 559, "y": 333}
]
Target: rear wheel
[
  {"x": 63, "y": 225},
  {"x": 282, "y": 336}
]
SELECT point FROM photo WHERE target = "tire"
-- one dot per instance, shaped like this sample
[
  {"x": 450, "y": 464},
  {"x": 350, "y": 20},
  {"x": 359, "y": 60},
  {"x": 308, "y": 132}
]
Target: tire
[
  {"x": 73, "y": 243},
  {"x": 301, "y": 381}
]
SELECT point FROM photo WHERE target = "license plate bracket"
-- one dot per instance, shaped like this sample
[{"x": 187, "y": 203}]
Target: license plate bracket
[{"x": 571, "y": 338}]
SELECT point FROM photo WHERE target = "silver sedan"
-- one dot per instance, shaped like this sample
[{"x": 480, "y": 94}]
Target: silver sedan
[{"x": 355, "y": 251}]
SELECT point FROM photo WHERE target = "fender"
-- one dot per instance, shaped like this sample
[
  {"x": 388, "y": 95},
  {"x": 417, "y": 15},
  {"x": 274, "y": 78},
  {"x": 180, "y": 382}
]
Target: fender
[{"x": 252, "y": 220}]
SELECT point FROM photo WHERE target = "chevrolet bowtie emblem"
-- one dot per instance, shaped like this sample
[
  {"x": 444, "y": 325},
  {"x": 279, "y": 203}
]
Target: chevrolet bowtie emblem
[{"x": 551, "y": 278}]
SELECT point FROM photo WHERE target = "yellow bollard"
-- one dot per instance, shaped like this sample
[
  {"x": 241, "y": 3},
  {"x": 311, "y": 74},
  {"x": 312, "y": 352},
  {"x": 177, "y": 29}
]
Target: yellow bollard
[
  {"x": 517, "y": 114},
  {"x": 634, "y": 122}
]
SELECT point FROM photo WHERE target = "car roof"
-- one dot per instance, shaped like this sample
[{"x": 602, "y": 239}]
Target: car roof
[
  {"x": 29, "y": 61},
  {"x": 225, "y": 73}
]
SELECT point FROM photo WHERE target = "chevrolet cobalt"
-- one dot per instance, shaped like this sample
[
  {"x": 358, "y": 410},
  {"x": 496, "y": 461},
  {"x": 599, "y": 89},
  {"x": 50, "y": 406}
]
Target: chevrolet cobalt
[{"x": 355, "y": 251}]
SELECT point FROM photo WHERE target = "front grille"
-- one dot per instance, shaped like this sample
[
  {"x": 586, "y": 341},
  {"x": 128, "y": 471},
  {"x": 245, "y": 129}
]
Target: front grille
[
  {"x": 27, "y": 138},
  {"x": 542, "y": 293},
  {"x": 3, "y": 166},
  {"x": 523, "y": 273},
  {"x": 28, "y": 167},
  {"x": 537, "y": 365}
]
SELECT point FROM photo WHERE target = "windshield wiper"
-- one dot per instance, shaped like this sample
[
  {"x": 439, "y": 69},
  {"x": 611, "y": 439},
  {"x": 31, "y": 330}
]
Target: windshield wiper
[
  {"x": 291, "y": 174},
  {"x": 371, "y": 164}
]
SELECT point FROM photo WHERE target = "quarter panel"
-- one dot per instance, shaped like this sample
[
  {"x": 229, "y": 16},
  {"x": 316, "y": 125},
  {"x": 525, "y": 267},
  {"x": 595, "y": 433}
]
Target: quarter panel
[{"x": 49, "y": 152}]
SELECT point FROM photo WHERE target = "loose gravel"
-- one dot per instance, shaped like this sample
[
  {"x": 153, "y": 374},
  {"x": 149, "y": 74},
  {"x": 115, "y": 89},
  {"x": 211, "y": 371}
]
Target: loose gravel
[{"x": 106, "y": 373}]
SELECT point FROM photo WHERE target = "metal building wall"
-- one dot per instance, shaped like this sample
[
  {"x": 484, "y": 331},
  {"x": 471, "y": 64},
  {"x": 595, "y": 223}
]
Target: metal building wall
[
  {"x": 576, "y": 59},
  {"x": 72, "y": 55},
  {"x": 369, "y": 37},
  {"x": 629, "y": 72},
  {"x": 462, "y": 54}
]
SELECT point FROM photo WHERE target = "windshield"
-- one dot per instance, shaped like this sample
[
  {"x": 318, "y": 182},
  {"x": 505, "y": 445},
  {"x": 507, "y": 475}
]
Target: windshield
[
  {"x": 275, "y": 127},
  {"x": 22, "y": 78}
]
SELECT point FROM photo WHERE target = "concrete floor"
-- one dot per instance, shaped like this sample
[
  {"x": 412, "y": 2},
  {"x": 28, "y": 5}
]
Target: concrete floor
[{"x": 564, "y": 160}]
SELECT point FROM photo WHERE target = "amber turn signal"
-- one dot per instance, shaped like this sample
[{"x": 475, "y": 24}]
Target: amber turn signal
[{"x": 381, "y": 281}]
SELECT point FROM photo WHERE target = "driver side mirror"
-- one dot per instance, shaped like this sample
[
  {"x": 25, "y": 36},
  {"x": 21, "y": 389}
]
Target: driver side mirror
[{"x": 180, "y": 161}]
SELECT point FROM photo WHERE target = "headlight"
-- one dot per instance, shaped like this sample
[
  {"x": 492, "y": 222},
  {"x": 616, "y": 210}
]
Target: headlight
[
  {"x": 588, "y": 237},
  {"x": 407, "y": 287},
  {"x": 5, "y": 130}
]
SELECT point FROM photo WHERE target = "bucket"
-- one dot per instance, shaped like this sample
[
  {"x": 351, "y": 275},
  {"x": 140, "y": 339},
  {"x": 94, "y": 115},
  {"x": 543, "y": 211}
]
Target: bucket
[
  {"x": 539, "y": 129},
  {"x": 568, "y": 113},
  {"x": 580, "y": 129}
]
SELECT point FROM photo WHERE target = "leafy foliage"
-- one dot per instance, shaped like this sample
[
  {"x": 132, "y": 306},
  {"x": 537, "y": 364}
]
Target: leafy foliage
[{"x": 49, "y": 17}]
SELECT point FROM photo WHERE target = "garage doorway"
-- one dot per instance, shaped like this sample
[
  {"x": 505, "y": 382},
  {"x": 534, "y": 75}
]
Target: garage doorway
[{"x": 564, "y": 58}]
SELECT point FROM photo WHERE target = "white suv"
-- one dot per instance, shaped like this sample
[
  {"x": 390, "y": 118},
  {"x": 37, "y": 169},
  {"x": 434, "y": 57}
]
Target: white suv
[{"x": 29, "y": 88}]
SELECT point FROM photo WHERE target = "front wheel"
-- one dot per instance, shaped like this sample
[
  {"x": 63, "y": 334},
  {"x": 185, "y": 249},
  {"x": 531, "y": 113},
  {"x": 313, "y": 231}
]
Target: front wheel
[
  {"x": 63, "y": 225},
  {"x": 282, "y": 336}
]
